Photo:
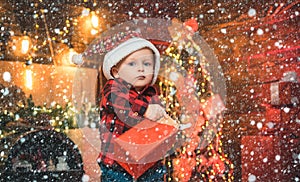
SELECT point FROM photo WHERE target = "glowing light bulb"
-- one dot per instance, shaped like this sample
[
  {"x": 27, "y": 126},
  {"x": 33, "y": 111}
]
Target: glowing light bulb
[
  {"x": 25, "y": 46},
  {"x": 94, "y": 20},
  {"x": 28, "y": 78}
]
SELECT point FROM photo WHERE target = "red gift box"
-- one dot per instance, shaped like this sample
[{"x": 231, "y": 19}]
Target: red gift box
[
  {"x": 273, "y": 115},
  {"x": 281, "y": 93},
  {"x": 268, "y": 158},
  {"x": 142, "y": 146},
  {"x": 258, "y": 156}
]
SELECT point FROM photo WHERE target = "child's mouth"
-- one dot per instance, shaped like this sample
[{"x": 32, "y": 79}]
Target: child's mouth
[{"x": 141, "y": 77}]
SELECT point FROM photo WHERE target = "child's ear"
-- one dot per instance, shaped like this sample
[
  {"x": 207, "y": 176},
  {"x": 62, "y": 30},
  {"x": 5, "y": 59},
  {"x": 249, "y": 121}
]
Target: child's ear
[{"x": 114, "y": 72}]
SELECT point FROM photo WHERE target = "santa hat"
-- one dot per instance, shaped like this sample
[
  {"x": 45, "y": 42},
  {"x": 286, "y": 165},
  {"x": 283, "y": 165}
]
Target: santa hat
[{"x": 118, "y": 46}]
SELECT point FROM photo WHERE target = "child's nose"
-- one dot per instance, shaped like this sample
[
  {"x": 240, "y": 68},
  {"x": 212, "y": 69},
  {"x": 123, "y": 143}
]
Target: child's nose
[{"x": 141, "y": 67}]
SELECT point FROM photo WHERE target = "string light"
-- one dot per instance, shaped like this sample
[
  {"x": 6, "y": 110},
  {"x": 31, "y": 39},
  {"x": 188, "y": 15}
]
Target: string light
[{"x": 209, "y": 167}]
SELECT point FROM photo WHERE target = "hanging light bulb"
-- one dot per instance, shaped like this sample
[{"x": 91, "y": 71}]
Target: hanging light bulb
[
  {"x": 94, "y": 23},
  {"x": 94, "y": 20},
  {"x": 25, "y": 43},
  {"x": 28, "y": 78},
  {"x": 20, "y": 45}
]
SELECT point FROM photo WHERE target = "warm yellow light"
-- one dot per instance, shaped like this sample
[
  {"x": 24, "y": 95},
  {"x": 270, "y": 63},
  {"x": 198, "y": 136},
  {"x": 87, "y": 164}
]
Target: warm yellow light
[
  {"x": 20, "y": 45},
  {"x": 25, "y": 46},
  {"x": 72, "y": 52},
  {"x": 94, "y": 20},
  {"x": 28, "y": 78},
  {"x": 94, "y": 32},
  {"x": 65, "y": 57}
]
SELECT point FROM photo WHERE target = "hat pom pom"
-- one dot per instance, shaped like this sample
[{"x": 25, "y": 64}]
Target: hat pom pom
[
  {"x": 191, "y": 24},
  {"x": 77, "y": 59}
]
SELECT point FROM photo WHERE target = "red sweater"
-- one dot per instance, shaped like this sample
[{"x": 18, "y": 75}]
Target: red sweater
[{"x": 121, "y": 108}]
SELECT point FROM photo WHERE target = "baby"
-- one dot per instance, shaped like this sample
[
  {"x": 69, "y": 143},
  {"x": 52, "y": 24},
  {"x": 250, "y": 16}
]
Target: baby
[{"x": 131, "y": 66}]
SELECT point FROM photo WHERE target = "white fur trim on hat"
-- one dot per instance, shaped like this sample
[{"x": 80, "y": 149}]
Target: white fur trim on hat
[{"x": 114, "y": 56}]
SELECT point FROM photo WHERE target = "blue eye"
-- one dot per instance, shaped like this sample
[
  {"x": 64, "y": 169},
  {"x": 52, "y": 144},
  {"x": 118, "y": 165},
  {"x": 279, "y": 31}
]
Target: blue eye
[
  {"x": 147, "y": 64},
  {"x": 131, "y": 63}
]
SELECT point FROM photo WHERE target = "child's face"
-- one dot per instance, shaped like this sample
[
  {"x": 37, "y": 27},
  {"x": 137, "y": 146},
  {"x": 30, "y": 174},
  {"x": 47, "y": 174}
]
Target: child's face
[{"x": 137, "y": 68}]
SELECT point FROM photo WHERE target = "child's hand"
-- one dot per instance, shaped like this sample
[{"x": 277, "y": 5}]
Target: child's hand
[
  {"x": 155, "y": 112},
  {"x": 169, "y": 121}
]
